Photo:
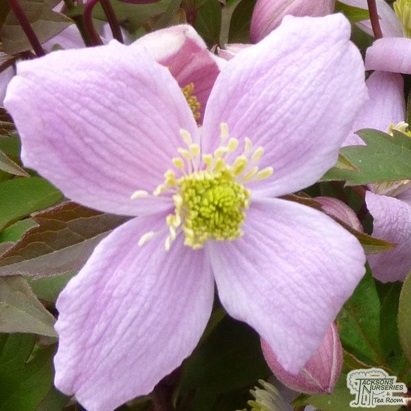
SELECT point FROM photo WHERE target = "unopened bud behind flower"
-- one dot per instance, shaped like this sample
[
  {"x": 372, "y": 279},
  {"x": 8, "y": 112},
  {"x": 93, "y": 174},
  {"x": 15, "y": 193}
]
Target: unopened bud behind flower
[
  {"x": 319, "y": 374},
  {"x": 268, "y": 14}
]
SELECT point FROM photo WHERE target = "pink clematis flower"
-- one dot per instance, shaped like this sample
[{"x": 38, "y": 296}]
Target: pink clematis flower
[
  {"x": 185, "y": 54},
  {"x": 391, "y": 53},
  {"x": 116, "y": 128},
  {"x": 268, "y": 14},
  {"x": 389, "y": 203}
]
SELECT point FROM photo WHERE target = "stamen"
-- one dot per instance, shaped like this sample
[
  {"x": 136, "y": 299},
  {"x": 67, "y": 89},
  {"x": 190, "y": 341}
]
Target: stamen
[
  {"x": 186, "y": 136},
  {"x": 145, "y": 238},
  {"x": 139, "y": 194},
  {"x": 265, "y": 173}
]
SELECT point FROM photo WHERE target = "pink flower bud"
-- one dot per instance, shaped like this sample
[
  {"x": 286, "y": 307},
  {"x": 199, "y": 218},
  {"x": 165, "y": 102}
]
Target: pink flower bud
[
  {"x": 268, "y": 14},
  {"x": 319, "y": 374},
  {"x": 338, "y": 209}
]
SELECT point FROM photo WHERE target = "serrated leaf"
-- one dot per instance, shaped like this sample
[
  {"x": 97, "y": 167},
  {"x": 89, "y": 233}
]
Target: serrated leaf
[
  {"x": 45, "y": 22},
  {"x": 240, "y": 22},
  {"x": 23, "y": 196},
  {"x": 7, "y": 128},
  {"x": 9, "y": 166},
  {"x": 354, "y": 14},
  {"x": 359, "y": 323},
  {"x": 208, "y": 22},
  {"x": 21, "y": 311},
  {"x": 404, "y": 318},
  {"x": 61, "y": 243},
  {"x": 344, "y": 164},
  {"x": 384, "y": 158},
  {"x": 23, "y": 383}
]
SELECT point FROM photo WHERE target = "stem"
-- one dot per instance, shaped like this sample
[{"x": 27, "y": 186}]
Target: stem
[
  {"x": 374, "y": 18},
  {"x": 25, "y": 25},
  {"x": 79, "y": 20},
  {"x": 88, "y": 22},
  {"x": 112, "y": 20}
]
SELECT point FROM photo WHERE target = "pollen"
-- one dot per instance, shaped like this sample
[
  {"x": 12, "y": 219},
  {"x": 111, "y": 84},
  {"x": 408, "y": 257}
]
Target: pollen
[
  {"x": 209, "y": 190},
  {"x": 403, "y": 10},
  {"x": 192, "y": 100}
]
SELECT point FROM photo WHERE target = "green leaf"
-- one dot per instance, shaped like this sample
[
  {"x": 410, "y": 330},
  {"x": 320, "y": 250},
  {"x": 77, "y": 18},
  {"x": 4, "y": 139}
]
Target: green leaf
[
  {"x": 344, "y": 164},
  {"x": 404, "y": 318},
  {"x": 21, "y": 311},
  {"x": 384, "y": 158},
  {"x": 240, "y": 22},
  {"x": 61, "y": 243},
  {"x": 359, "y": 323},
  {"x": 45, "y": 22},
  {"x": 9, "y": 166},
  {"x": 229, "y": 359},
  {"x": 15, "y": 231},
  {"x": 23, "y": 383},
  {"x": 23, "y": 196},
  {"x": 53, "y": 401},
  {"x": 354, "y": 14},
  {"x": 208, "y": 22},
  {"x": 7, "y": 128},
  {"x": 48, "y": 289}
]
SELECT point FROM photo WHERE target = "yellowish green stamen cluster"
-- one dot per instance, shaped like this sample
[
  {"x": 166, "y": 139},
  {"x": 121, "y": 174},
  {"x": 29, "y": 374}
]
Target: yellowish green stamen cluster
[
  {"x": 393, "y": 188},
  {"x": 267, "y": 398},
  {"x": 403, "y": 10},
  {"x": 192, "y": 100},
  {"x": 208, "y": 190}
]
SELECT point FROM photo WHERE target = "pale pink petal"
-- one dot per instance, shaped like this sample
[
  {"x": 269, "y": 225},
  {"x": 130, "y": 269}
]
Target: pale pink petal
[
  {"x": 185, "y": 54},
  {"x": 296, "y": 93},
  {"x": 230, "y": 50},
  {"x": 99, "y": 123},
  {"x": 385, "y": 107},
  {"x": 405, "y": 196},
  {"x": 130, "y": 316},
  {"x": 288, "y": 276},
  {"x": 5, "y": 77},
  {"x": 336, "y": 208},
  {"x": 389, "y": 23},
  {"x": 69, "y": 38},
  {"x": 268, "y": 14},
  {"x": 389, "y": 54},
  {"x": 392, "y": 222},
  {"x": 320, "y": 373}
]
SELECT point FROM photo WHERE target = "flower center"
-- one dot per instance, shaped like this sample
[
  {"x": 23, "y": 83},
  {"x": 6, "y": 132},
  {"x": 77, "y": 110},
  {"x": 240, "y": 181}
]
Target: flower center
[
  {"x": 209, "y": 195},
  {"x": 403, "y": 10},
  {"x": 393, "y": 188},
  {"x": 192, "y": 100}
]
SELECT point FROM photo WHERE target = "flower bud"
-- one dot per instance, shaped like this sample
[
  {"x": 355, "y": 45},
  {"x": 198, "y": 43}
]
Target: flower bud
[
  {"x": 336, "y": 208},
  {"x": 320, "y": 373},
  {"x": 267, "y": 14}
]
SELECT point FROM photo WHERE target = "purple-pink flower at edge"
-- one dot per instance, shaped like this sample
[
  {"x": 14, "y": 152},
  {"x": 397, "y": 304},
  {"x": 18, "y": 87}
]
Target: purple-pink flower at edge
[
  {"x": 390, "y": 208},
  {"x": 392, "y": 53},
  {"x": 268, "y": 14},
  {"x": 321, "y": 372},
  {"x": 112, "y": 125}
]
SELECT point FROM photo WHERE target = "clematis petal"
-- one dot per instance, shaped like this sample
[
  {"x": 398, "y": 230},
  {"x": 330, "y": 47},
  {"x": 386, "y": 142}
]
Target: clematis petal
[
  {"x": 385, "y": 107},
  {"x": 389, "y": 22},
  {"x": 288, "y": 276},
  {"x": 101, "y": 127},
  {"x": 392, "y": 222},
  {"x": 295, "y": 93},
  {"x": 389, "y": 54},
  {"x": 69, "y": 38},
  {"x": 185, "y": 54},
  {"x": 267, "y": 14},
  {"x": 130, "y": 316}
]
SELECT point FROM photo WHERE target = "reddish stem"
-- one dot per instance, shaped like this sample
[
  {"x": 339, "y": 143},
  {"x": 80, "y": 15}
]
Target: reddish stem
[
  {"x": 25, "y": 25},
  {"x": 88, "y": 22},
  {"x": 374, "y": 18},
  {"x": 112, "y": 20}
]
